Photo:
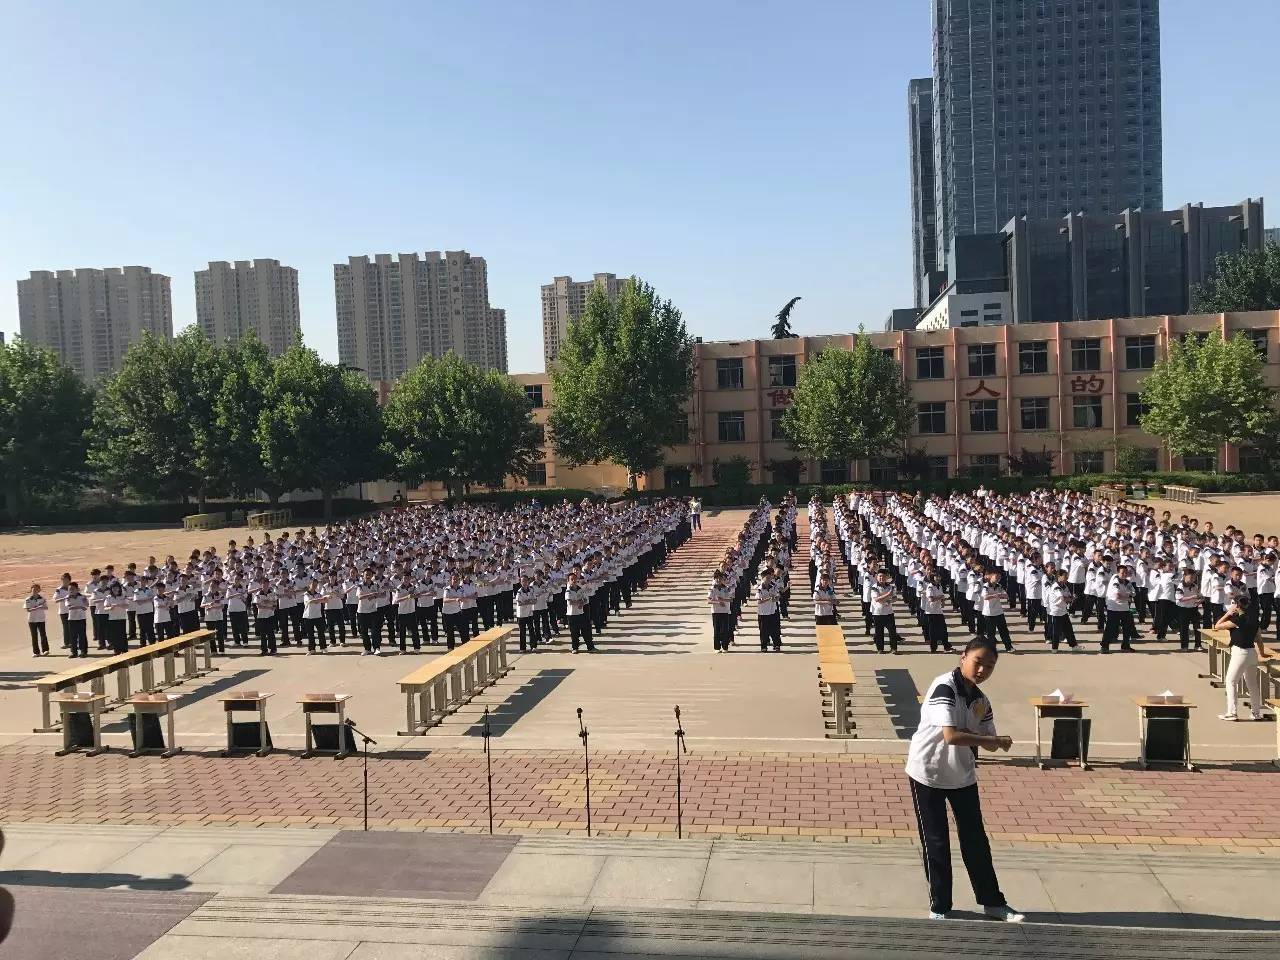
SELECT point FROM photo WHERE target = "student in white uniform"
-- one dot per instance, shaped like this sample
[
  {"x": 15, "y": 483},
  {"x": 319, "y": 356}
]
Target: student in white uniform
[
  {"x": 77, "y": 619},
  {"x": 956, "y": 720},
  {"x": 526, "y": 597},
  {"x": 37, "y": 608}
]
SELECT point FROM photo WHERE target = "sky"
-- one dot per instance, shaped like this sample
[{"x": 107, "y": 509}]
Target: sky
[{"x": 735, "y": 155}]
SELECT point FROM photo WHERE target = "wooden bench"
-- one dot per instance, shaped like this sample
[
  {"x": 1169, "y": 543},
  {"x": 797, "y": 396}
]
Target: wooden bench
[
  {"x": 835, "y": 674},
  {"x": 440, "y": 686},
  {"x": 1217, "y": 644},
  {"x": 1110, "y": 494},
  {"x": 95, "y": 672},
  {"x": 270, "y": 519},
  {"x": 1182, "y": 494},
  {"x": 204, "y": 521}
]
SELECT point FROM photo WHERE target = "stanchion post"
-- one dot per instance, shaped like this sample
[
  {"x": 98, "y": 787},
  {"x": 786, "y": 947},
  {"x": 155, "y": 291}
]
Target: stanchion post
[
  {"x": 488, "y": 765},
  {"x": 586, "y": 766},
  {"x": 364, "y": 753},
  {"x": 680, "y": 746}
]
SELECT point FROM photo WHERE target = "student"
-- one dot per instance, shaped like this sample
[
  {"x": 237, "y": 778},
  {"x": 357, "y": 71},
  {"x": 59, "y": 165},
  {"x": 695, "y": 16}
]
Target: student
[
  {"x": 933, "y": 617},
  {"x": 145, "y": 611},
  {"x": 428, "y": 622},
  {"x": 162, "y": 604},
  {"x": 720, "y": 597},
  {"x": 368, "y": 598},
  {"x": 955, "y": 721},
  {"x": 287, "y": 605},
  {"x": 880, "y": 609},
  {"x": 767, "y": 618},
  {"x": 695, "y": 513},
  {"x": 334, "y": 613},
  {"x": 1119, "y": 622},
  {"x": 237, "y": 601},
  {"x": 526, "y": 597},
  {"x": 99, "y": 590},
  {"x": 1058, "y": 600},
  {"x": 37, "y": 608},
  {"x": 993, "y": 604},
  {"x": 405, "y": 597},
  {"x": 451, "y": 610},
  {"x": 187, "y": 598},
  {"x": 313, "y": 626},
  {"x": 265, "y": 604},
  {"x": 215, "y": 617},
  {"x": 1241, "y": 618},
  {"x": 60, "y": 598},
  {"x": 576, "y": 600},
  {"x": 1187, "y": 600},
  {"x": 77, "y": 616},
  {"x": 824, "y": 601},
  {"x": 117, "y": 612}
]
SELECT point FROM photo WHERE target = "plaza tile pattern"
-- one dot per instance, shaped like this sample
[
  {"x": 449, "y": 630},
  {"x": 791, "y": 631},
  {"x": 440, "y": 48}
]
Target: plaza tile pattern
[{"x": 832, "y": 797}]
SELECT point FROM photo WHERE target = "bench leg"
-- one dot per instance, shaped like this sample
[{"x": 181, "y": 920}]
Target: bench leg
[
  {"x": 440, "y": 701},
  {"x": 99, "y": 686},
  {"x": 170, "y": 670},
  {"x": 410, "y": 715},
  {"x": 122, "y": 683},
  {"x": 148, "y": 675},
  {"x": 46, "y": 721},
  {"x": 457, "y": 693},
  {"x": 502, "y": 655}
]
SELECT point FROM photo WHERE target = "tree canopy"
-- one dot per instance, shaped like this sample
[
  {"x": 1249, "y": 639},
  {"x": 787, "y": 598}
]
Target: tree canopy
[
  {"x": 1208, "y": 392},
  {"x": 849, "y": 404},
  {"x": 623, "y": 376},
  {"x": 450, "y": 421},
  {"x": 1248, "y": 280},
  {"x": 45, "y": 412}
]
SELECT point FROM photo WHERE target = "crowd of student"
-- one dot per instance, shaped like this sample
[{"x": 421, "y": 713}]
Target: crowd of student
[
  {"x": 405, "y": 575},
  {"x": 760, "y": 556}
]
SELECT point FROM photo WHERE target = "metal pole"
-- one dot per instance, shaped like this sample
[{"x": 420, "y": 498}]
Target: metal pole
[
  {"x": 680, "y": 745},
  {"x": 586, "y": 766},
  {"x": 364, "y": 753},
  {"x": 488, "y": 763}
]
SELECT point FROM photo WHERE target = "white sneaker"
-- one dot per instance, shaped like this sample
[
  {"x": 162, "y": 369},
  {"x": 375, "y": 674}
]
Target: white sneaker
[
  {"x": 934, "y": 915},
  {"x": 1227, "y": 716},
  {"x": 1005, "y": 913}
]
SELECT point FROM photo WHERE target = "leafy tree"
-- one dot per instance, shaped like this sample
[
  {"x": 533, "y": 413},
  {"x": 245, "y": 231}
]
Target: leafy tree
[
  {"x": 155, "y": 427},
  {"x": 1032, "y": 463},
  {"x": 450, "y": 421},
  {"x": 849, "y": 404},
  {"x": 623, "y": 375},
  {"x": 240, "y": 400},
  {"x": 732, "y": 476},
  {"x": 1248, "y": 280},
  {"x": 319, "y": 426},
  {"x": 781, "y": 329},
  {"x": 1206, "y": 392},
  {"x": 44, "y": 415}
]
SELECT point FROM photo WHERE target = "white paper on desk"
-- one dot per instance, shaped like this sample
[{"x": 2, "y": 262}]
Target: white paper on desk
[
  {"x": 1170, "y": 697},
  {"x": 1059, "y": 696}
]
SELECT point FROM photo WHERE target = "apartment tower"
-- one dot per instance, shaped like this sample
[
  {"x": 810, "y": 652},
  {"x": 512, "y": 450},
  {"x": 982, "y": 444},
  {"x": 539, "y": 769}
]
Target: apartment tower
[
  {"x": 258, "y": 296},
  {"x": 563, "y": 300}
]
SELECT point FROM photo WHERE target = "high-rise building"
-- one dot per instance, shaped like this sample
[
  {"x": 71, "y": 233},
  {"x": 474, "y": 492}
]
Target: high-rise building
[
  {"x": 1042, "y": 110},
  {"x": 259, "y": 296},
  {"x": 498, "y": 337},
  {"x": 1271, "y": 237},
  {"x": 924, "y": 234},
  {"x": 563, "y": 300},
  {"x": 393, "y": 311},
  {"x": 90, "y": 317}
]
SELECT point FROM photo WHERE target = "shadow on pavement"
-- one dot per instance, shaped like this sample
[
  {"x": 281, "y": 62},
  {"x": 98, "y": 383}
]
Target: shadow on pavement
[
  {"x": 523, "y": 699},
  {"x": 93, "y": 881}
]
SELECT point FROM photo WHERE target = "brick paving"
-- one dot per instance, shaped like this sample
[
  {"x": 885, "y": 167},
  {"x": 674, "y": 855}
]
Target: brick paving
[{"x": 797, "y": 795}]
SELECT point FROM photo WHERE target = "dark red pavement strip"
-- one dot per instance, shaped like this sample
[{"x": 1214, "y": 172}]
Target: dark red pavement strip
[
  {"x": 727, "y": 793},
  {"x": 70, "y": 922},
  {"x": 435, "y": 866}
]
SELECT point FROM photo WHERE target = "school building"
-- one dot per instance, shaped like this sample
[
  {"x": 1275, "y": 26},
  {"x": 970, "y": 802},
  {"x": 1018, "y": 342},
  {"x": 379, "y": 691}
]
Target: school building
[{"x": 982, "y": 394}]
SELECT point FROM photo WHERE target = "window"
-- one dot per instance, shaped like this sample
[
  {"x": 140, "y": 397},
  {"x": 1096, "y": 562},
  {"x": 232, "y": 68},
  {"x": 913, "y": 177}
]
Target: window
[
  {"x": 984, "y": 465},
  {"x": 733, "y": 426},
  {"x": 537, "y": 475},
  {"x": 1203, "y": 463},
  {"x": 540, "y": 429},
  {"x": 729, "y": 374},
  {"x": 982, "y": 360},
  {"x": 834, "y": 471},
  {"x": 1086, "y": 413},
  {"x": 1252, "y": 460},
  {"x": 1033, "y": 356},
  {"x": 1087, "y": 461},
  {"x": 1035, "y": 413},
  {"x": 682, "y": 431},
  {"x": 676, "y": 477},
  {"x": 533, "y": 393},
  {"x": 937, "y": 468},
  {"x": 1259, "y": 340},
  {"x": 883, "y": 469},
  {"x": 1143, "y": 459},
  {"x": 782, "y": 371},
  {"x": 1086, "y": 354},
  {"x": 1134, "y": 409},
  {"x": 983, "y": 415},
  {"x": 775, "y": 424},
  {"x": 932, "y": 417},
  {"x": 1140, "y": 352},
  {"x": 930, "y": 364}
]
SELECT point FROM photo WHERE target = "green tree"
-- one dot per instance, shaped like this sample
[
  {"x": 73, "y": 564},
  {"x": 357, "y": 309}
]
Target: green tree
[
  {"x": 1248, "y": 280},
  {"x": 450, "y": 421},
  {"x": 849, "y": 404},
  {"x": 240, "y": 400},
  {"x": 155, "y": 426},
  {"x": 1207, "y": 392},
  {"x": 623, "y": 376},
  {"x": 45, "y": 412},
  {"x": 319, "y": 426}
]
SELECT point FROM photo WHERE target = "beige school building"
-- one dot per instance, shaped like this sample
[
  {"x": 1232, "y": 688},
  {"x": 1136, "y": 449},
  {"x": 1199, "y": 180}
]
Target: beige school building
[{"x": 982, "y": 394}]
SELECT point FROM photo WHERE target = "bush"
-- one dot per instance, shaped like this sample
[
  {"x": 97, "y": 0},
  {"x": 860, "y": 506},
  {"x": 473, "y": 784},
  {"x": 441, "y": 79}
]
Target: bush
[{"x": 124, "y": 513}]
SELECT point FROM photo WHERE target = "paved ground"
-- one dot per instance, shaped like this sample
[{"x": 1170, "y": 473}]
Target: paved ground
[{"x": 187, "y": 892}]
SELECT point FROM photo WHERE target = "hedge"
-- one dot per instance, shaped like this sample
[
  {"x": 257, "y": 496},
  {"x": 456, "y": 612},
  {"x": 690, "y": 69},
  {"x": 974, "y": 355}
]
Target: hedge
[{"x": 135, "y": 514}]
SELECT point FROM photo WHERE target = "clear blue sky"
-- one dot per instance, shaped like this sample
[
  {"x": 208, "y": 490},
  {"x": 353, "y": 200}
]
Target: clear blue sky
[{"x": 733, "y": 154}]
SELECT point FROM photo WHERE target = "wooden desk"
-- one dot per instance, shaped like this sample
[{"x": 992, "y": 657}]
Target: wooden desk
[
  {"x": 156, "y": 704},
  {"x": 247, "y": 701},
  {"x": 322, "y": 703},
  {"x": 835, "y": 673},
  {"x": 90, "y": 704},
  {"x": 1157, "y": 710},
  {"x": 1057, "y": 710},
  {"x": 1217, "y": 645}
]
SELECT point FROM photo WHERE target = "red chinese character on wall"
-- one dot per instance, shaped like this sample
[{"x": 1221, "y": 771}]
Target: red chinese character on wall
[
  {"x": 982, "y": 388},
  {"x": 1090, "y": 384}
]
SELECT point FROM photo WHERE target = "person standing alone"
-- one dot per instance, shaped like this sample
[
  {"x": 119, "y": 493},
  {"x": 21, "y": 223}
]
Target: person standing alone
[{"x": 955, "y": 721}]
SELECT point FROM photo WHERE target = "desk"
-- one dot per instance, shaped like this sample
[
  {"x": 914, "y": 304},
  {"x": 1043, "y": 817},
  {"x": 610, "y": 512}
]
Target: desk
[
  {"x": 88, "y": 704},
  {"x": 249, "y": 701},
  {"x": 336, "y": 703},
  {"x": 1217, "y": 645},
  {"x": 1057, "y": 710},
  {"x": 153, "y": 704},
  {"x": 1157, "y": 710}
]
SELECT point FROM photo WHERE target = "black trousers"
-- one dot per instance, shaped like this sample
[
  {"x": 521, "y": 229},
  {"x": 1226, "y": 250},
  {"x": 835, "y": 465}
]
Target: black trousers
[
  {"x": 406, "y": 625},
  {"x": 146, "y": 629},
  {"x": 883, "y": 622},
  {"x": 267, "y": 634},
  {"x": 39, "y": 638},
  {"x": 1060, "y": 629},
  {"x": 1119, "y": 624},
  {"x": 453, "y": 623},
  {"x": 336, "y": 622},
  {"x": 1188, "y": 623},
  {"x": 580, "y": 630},
  {"x": 529, "y": 633},
  {"x": 1165, "y": 617},
  {"x": 935, "y": 629},
  {"x": 370, "y": 630},
  {"x": 991, "y": 626},
  {"x": 219, "y": 628},
  {"x": 239, "y": 620},
  {"x": 313, "y": 627},
  {"x": 770, "y": 630},
  {"x": 429, "y": 624},
  {"x": 78, "y": 637},
  {"x": 931, "y": 819},
  {"x": 721, "y": 631},
  {"x": 66, "y": 632}
]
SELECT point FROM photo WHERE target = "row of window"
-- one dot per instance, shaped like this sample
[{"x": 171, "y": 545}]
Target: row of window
[
  {"x": 1033, "y": 357},
  {"x": 984, "y": 415}
]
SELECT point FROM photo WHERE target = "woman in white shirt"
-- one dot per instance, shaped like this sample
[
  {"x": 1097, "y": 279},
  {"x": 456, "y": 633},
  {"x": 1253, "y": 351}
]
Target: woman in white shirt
[
  {"x": 526, "y": 596},
  {"x": 77, "y": 605},
  {"x": 238, "y": 612},
  {"x": 313, "y": 601},
  {"x": 37, "y": 608},
  {"x": 211, "y": 609},
  {"x": 117, "y": 609}
]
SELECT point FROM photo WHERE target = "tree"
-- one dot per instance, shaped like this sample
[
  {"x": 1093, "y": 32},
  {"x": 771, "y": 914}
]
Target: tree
[
  {"x": 1032, "y": 463},
  {"x": 849, "y": 404},
  {"x": 1208, "y": 392},
  {"x": 623, "y": 376},
  {"x": 319, "y": 426},
  {"x": 45, "y": 411},
  {"x": 1247, "y": 280},
  {"x": 782, "y": 326},
  {"x": 450, "y": 421},
  {"x": 240, "y": 400},
  {"x": 155, "y": 426}
]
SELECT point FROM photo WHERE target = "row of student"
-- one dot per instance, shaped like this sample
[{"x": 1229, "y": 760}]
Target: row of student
[
  {"x": 408, "y": 574},
  {"x": 735, "y": 574}
]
